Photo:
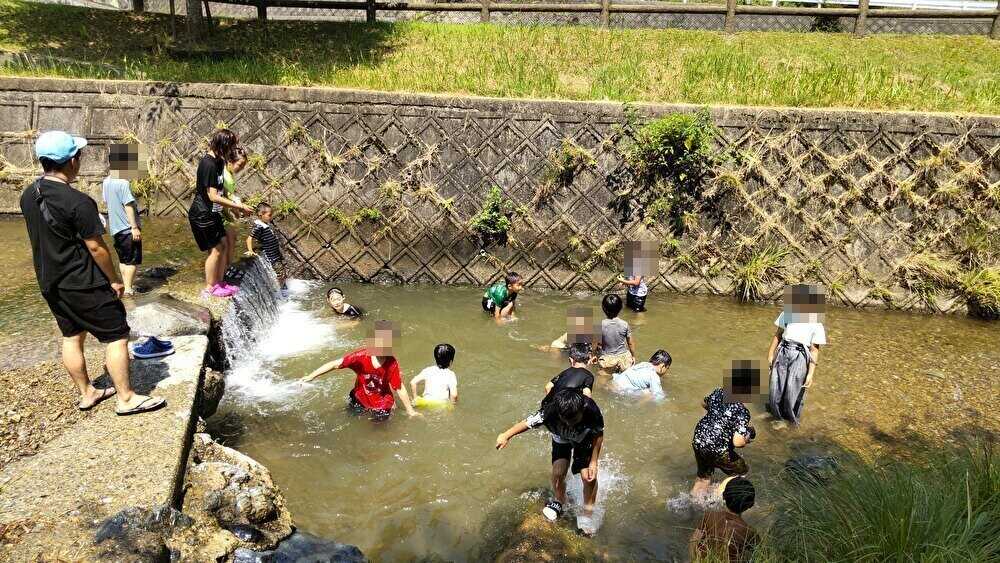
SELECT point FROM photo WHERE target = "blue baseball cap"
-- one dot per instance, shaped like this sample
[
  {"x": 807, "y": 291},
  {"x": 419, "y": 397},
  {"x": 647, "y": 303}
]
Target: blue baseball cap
[{"x": 58, "y": 146}]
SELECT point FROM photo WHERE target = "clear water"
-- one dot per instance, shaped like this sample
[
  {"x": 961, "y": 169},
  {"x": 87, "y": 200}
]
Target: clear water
[{"x": 414, "y": 488}]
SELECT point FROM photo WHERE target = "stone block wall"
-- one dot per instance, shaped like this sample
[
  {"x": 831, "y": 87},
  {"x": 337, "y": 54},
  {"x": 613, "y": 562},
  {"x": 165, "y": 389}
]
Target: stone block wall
[{"x": 382, "y": 186}]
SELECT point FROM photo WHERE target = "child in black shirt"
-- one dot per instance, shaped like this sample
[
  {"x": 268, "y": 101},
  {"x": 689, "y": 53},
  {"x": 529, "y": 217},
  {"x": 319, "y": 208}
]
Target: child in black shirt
[
  {"x": 577, "y": 427},
  {"x": 335, "y": 298},
  {"x": 576, "y": 376}
]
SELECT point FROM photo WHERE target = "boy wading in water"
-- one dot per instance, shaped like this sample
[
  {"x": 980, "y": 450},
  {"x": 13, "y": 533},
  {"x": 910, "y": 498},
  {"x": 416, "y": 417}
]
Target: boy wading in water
[
  {"x": 794, "y": 350},
  {"x": 725, "y": 426},
  {"x": 576, "y": 376},
  {"x": 723, "y": 535},
  {"x": 377, "y": 375},
  {"x": 500, "y": 298},
  {"x": 643, "y": 379},
  {"x": 617, "y": 344},
  {"x": 577, "y": 427},
  {"x": 263, "y": 233}
]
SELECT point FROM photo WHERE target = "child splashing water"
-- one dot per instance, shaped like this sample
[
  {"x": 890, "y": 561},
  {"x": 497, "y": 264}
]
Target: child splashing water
[{"x": 577, "y": 427}]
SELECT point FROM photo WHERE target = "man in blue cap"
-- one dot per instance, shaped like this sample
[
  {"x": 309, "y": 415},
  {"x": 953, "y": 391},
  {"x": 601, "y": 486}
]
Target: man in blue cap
[{"x": 75, "y": 273}]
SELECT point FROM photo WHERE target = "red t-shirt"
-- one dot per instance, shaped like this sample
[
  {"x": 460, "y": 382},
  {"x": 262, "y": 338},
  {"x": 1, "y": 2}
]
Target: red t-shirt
[{"x": 373, "y": 388}]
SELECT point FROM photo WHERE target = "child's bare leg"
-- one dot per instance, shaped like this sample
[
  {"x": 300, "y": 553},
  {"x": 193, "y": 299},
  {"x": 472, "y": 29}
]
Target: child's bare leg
[
  {"x": 589, "y": 496},
  {"x": 559, "y": 469},
  {"x": 231, "y": 244},
  {"x": 701, "y": 486},
  {"x": 128, "y": 278}
]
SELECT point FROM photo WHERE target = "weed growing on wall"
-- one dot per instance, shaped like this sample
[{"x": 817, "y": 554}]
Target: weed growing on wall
[
  {"x": 493, "y": 222},
  {"x": 563, "y": 166},
  {"x": 759, "y": 271},
  {"x": 665, "y": 171},
  {"x": 286, "y": 208},
  {"x": 981, "y": 289}
]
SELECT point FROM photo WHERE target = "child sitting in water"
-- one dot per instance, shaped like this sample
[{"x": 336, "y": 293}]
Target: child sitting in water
[
  {"x": 643, "y": 379},
  {"x": 335, "y": 298},
  {"x": 577, "y": 427},
  {"x": 499, "y": 299},
  {"x": 723, "y": 535},
  {"x": 576, "y": 376},
  {"x": 617, "y": 344},
  {"x": 377, "y": 375},
  {"x": 440, "y": 383},
  {"x": 725, "y": 427}
]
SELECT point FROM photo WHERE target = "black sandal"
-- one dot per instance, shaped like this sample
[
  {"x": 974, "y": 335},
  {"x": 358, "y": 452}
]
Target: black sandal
[
  {"x": 148, "y": 404},
  {"x": 104, "y": 395}
]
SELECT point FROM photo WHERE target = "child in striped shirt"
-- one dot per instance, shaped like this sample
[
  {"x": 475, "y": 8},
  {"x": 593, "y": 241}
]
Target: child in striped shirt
[{"x": 267, "y": 238}]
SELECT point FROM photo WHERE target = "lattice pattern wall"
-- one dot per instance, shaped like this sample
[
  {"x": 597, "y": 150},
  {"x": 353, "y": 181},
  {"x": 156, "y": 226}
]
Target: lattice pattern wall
[{"x": 382, "y": 187}]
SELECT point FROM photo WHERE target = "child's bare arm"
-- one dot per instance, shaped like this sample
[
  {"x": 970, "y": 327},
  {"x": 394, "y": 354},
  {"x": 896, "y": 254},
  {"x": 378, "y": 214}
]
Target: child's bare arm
[
  {"x": 590, "y": 472},
  {"x": 548, "y": 387},
  {"x": 404, "y": 398},
  {"x": 631, "y": 345},
  {"x": 505, "y": 437},
  {"x": 413, "y": 383},
  {"x": 325, "y": 368},
  {"x": 250, "y": 251},
  {"x": 774, "y": 346}
]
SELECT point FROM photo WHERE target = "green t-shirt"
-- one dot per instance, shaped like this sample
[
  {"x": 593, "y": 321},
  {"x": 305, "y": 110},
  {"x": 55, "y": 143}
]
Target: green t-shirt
[{"x": 497, "y": 293}]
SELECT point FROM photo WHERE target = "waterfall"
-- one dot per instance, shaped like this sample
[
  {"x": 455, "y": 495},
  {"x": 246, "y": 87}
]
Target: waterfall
[{"x": 264, "y": 325}]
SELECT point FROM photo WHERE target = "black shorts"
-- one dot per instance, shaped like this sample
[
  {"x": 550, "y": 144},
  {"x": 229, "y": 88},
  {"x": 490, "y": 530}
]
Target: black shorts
[
  {"x": 635, "y": 302},
  {"x": 490, "y": 307},
  {"x": 97, "y": 311},
  {"x": 129, "y": 251},
  {"x": 730, "y": 463},
  {"x": 207, "y": 229},
  {"x": 377, "y": 415},
  {"x": 579, "y": 453}
]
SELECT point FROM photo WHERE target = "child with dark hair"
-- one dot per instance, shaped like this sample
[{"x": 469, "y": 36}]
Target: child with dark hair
[
  {"x": 499, "y": 299},
  {"x": 725, "y": 427},
  {"x": 723, "y": 535},
  {"x": 577, "y": 427},
  {"x": 236, "y": 163},
  {"x": 263, "y": 233},
  {"x": 617, "y": 344},
  {"x": 643, "y": 379},
  {"x": 440, "y": 383},
  {"x": 576, "y": 376},
  {"x": 335, "y": 298}
]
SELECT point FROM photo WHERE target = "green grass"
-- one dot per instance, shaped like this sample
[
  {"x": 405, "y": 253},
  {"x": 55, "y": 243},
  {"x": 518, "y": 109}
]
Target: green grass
[
  {"x": 943, "y": 508},
  {"x": 934, "y": 73}
]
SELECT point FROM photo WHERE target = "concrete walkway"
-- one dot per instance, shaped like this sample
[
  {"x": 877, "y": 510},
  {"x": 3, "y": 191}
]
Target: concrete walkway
[{"x": 104, "y": 464}]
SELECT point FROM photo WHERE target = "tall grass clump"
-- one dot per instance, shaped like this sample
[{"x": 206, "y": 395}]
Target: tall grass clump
[
  {"x": 760, "y": 270},
  {"x": 981, "y": 289},
  {"x": 493, "y": 222},
  {"x": 944, "y": 508}
]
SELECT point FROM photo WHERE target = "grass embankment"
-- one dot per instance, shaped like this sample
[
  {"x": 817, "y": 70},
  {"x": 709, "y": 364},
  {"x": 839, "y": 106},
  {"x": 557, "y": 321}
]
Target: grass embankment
[
  {"x": 940, "y": 505},
  {"x": 930, "y": 73}
]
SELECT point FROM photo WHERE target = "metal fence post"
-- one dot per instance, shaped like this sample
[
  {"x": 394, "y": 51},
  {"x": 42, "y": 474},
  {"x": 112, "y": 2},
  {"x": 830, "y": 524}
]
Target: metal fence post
[
  {"x": 370, "y": 11},
  {"x": 605, "y": 13},
  {"x": 138, "y": 6},
  {"x": 262, "y": 10},
  {"x": 730, "y": 15},
  {"x": 861, "y": 19},
  {"x": 995, "y": 28},
  {"x": 484, "y": 12}
]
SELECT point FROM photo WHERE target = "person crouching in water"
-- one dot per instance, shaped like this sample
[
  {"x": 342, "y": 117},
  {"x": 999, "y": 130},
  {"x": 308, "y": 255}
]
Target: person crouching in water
[
  {"x": 500, "y": 298},
  {"x": 577, "y": 427},
  {"x": 440, "y": 383},
  {"x": 643, "y": 379},
  {"x": 726, "y": 425},
  {"x": 377, "y": 375},
  {"x": 335, "y": 298},
  {"x": 794, "y": 350}
]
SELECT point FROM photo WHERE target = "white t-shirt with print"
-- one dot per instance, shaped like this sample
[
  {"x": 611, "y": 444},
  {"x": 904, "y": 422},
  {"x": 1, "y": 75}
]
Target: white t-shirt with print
[
  {"x": 805, "y": 333},
  {"x": 439, "y": 384}
]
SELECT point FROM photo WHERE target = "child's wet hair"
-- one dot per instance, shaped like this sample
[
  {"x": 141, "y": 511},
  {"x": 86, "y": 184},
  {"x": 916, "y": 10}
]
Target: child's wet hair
[
  {"x": 333, "y": 290},
  {"x": 512, "y": 278},
  {"x": 612, "y": 305},
  {"x": 262, "y": 208},
  {"x": 568, "y": 403},
  {"x": 739, "y": 495},
  {"x": 742, "y": 381},
  {"x": 444, "y": 354},
  {"x": 579, "y": 353},
  {"x": 661, "y": 357}
]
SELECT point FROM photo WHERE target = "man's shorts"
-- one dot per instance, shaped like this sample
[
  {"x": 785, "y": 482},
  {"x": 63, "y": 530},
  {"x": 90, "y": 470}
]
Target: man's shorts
[
  {"x": 729, "y": 462},
  {"x": 129, "y": 250},
  {"x": 377, "y": 415},
  {"x": 97, "y": 311},
  {"x": 615, "y": 363},
  {"x": 579, "y": 453}
]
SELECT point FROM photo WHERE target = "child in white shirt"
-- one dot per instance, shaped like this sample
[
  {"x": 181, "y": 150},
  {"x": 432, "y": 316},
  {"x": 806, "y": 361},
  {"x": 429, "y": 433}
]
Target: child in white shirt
[{"x": 440, "y": 383}]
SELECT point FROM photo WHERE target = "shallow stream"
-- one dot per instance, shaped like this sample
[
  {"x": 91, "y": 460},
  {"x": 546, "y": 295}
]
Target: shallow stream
[{"x": 422, "y": 487}]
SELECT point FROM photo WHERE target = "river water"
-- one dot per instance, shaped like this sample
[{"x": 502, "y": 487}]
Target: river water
[{"x": 415, "y": 488}]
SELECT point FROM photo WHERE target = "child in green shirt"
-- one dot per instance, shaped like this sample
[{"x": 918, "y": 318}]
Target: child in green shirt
[{"x": 499, "y": 299}]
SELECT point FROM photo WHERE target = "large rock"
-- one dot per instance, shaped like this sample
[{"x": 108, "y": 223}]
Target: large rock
[
  {"x": 811, "y": 469},
  {"x": 213, "y": 387},
  {"x": 514, "y": 530},
  {"x": 302, "y": 546},
  {"x": 164, "y": 316},
  {"x": 139, "y": 534}
]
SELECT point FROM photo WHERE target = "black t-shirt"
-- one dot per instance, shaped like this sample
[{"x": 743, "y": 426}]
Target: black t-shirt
[
  {"x": 591, "y": 426},
  {"x": 61, "y": 258},
  {"x": 353, "y": 312},
  {"x": 210, "y": 172},
  {"x": 573, "y": 378}
]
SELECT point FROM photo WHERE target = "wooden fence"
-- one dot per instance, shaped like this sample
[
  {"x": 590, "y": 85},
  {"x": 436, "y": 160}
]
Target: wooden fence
[{"x": 730, "y": 10}]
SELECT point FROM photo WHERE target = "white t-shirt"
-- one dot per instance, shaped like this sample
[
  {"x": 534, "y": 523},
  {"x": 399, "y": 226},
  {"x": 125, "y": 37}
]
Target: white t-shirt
[
  {"x": 439, "y": 384},
  {"x": 806, "y": 333}
]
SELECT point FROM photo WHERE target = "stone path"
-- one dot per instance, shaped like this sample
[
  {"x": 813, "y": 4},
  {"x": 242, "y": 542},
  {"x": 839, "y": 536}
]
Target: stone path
[{"x": 54, "y": 500}]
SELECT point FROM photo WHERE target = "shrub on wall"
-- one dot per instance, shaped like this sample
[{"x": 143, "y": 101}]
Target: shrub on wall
[
  {"x": 665, "y": 171},
  {"x": 493, "y": 221}
]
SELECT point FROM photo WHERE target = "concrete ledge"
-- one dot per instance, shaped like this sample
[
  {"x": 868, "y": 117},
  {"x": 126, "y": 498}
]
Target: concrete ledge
[{"x": 106, "y": 463}]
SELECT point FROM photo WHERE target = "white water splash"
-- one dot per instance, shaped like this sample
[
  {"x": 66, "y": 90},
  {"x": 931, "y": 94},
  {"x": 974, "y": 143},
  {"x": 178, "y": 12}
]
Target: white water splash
[{"x": 613, "y": 486}]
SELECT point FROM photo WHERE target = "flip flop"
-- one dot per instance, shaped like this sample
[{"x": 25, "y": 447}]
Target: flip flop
[
  {"x": 104, "y": 395},
  {"x": 147, "y": 405}
]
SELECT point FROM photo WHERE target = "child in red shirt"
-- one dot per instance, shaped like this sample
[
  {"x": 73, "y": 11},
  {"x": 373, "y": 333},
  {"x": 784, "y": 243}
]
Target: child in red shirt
[{"x": 377, "y": 375}]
